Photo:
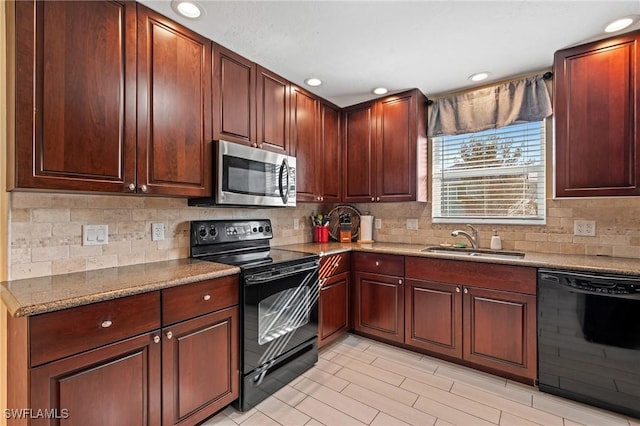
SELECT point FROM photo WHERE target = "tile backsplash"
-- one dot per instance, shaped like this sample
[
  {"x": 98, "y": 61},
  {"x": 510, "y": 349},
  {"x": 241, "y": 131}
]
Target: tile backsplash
[{"x": 46, "y": 229}]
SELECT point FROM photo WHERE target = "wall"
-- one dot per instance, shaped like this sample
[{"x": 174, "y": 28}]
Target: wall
[
  {"x": 617, "y": 227},
  {"x": 46, "y": 230}
]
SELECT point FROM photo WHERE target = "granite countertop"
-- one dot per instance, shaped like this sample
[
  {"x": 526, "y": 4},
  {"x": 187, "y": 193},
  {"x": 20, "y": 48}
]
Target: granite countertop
[
  {"x": 46, "y": 294},
  {"x": 604, "y": 264}
]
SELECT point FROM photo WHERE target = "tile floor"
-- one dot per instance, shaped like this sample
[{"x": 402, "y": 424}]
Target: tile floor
[{"x": 358, "y": 381}]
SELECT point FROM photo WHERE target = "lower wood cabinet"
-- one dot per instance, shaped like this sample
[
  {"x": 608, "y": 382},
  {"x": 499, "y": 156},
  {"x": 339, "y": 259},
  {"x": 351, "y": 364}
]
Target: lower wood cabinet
[
  {"x": 378, "y": 297},
  {"x": 481, "y": 313},
  {"x": 333, "y": 304},
  {"x": 165, "y": 357}
]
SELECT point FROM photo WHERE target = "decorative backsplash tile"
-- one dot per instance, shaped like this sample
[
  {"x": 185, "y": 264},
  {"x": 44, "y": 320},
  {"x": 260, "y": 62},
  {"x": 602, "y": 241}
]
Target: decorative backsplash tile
[{"x": 46, "y": 229}]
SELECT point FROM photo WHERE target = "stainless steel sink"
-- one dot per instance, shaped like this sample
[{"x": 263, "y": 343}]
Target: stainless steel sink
[{"x": 486, "y": 253}]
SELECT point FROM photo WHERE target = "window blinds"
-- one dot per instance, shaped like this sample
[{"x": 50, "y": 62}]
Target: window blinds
[{"x": 493, "y": 176}]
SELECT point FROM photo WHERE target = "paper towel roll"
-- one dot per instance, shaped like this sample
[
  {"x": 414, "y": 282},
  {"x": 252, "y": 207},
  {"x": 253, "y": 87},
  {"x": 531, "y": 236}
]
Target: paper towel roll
[{"x": 366, "y": 228}]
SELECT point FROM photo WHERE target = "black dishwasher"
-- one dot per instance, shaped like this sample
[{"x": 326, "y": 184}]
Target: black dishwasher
[{"x": 589, "y": 338}]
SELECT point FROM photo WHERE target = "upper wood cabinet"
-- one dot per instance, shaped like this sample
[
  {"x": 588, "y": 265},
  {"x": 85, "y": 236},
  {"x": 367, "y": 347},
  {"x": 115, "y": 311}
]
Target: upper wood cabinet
[
  {"x": 234, "y": 107},
  {"x": 273, "y": 105},
  {"x": 110, "y": 97},
  {"x": 75, "y": 95},
  {"x": 382, "y": 140},
  {"x": 330, "y": 177},
  {"x": 174, "y": 108},
  {"x": 597, "y": 118}
]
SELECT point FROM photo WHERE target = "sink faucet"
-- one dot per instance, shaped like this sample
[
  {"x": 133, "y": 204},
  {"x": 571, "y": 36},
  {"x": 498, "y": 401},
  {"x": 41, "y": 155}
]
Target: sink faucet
[{"x": 473, "y": 237}]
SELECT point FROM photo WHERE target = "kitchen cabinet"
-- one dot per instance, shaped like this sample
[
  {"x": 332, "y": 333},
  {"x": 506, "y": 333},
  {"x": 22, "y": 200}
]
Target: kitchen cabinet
[
  {"x": 234, "y": 105},
  {"x": 384, "y": 145},
  {"x": 75, "y": 95},
  {"x": 174, "y": 108},
  {"x": 596, "y": 110},
  {"x": 315, "y": 134},
  {"x": 482, "y": 314},
  {"x": 333, "y": 304},
  {"x": 273, "y": 105},
  {"x": 379, "y": 295},
  {"x": 199, "y": 349},
  {"x": 109, "y": 97},
  {"x": 168, "y": 356}
]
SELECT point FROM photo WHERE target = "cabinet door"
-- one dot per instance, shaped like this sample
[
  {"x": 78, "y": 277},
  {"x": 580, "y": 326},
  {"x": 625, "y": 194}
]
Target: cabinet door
[
  {"x": 234, "y": 98},
  {"x": 500, "y": 330},
  {"x": 118, "y": 384},
  {"x": 358, "y": 160},
  {"x": 304, "y": 135},
  {"x": 75, "y": 99},
  {"x": 333, "y": 308},
  {"x": 331, "y": 175},
  {"x": 200, "y": 366},
  {"x": 272, "y": 96},
  {"x": 396, "y": 149},
  {"x": 379, "y": 307},
  {"x": 174, "y": 108},
  {"x": 433, "y": 317},
  {"x": 597, "y": 118}
]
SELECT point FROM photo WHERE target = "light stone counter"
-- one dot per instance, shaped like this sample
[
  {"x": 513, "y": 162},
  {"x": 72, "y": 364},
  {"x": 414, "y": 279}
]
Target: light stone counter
[
  {"x": 45, "y": 294},
  {"x": 603, "y": 264}
]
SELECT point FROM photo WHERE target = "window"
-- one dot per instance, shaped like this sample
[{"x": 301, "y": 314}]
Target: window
[{"x": 493, "y": 176}]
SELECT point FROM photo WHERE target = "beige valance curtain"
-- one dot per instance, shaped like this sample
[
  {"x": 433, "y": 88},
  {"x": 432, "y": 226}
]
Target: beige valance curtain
[{"x": 491, "y": 107}]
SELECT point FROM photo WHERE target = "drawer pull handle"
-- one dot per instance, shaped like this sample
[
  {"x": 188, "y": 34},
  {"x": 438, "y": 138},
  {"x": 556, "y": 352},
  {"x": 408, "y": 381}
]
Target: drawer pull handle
[
  {"x": 457, "y": 289},
  {"x": 169, "y": 335},
  {"x": 106, "y": 324},
  {"x": 400, "y": 282},
  {"x": 466, "y": 291},
  {"x": 377, "y": 263},
  {"x": 156, "y": 339},
  {"x": 206, "y": 297}
]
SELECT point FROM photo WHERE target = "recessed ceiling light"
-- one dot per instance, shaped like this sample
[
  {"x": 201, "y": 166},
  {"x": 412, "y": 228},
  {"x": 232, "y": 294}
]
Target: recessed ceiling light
[
  {"x": 313, "y": 82},
  {"x": 618, "y": 24},
  {"x": 380, "y": 91},
  {"x": 188, "y": 9},
  {"x": 479, "y": 76}
]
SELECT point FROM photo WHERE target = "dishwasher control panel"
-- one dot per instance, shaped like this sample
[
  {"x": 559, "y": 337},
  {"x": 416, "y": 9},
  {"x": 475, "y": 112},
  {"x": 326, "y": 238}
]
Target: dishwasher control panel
[{"x": 603, "y": 284}]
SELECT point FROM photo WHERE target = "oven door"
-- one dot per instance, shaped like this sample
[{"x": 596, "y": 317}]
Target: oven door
[
  {"x": 280, "y": 314},
  {"x": 254, "y": 177}
]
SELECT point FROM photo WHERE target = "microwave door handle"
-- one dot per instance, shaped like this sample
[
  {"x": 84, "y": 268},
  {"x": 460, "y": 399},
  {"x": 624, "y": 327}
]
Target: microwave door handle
[{"x": 284, "y": 194}]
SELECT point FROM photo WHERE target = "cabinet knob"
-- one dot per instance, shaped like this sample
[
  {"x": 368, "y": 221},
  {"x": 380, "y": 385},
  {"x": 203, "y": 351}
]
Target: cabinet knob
[
  {"x": 206, "y": 297},
  {"x": 377, "y": 198},
  {"x": 132, "y": 187},
  {"x": 321, "y": 198},
  {"x": 169, "y": 335},
  {"x": 259, "y": 145},
  {"x": 156, "y": 339},
  {"x": 400, "y": 282},
  {"x": 106, "y": 324},
  {"x": 373, "y": 198},
  {"x": 457, "y": 289},
  {"x": 377, "y": 263},
  {"x": 466, "y": 291},
  {"x": 144, "y": 188},
  {"x": 255, "y": 145}
]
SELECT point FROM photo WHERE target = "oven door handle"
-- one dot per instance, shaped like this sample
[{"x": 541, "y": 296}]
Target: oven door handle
[
  {"x": 284, "y": 194},
  {"x": 259, "y": 280}
]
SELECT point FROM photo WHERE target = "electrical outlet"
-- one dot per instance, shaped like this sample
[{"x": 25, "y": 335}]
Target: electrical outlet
[
  {"x": 157, "y": 231},
  {"x": 377, "y": 223},
  {"x": 296, "y": 224},
  {"x": 95, "y": 235},
  {"x": 412, "y": 224},
  {"x": 584, "y": 228}
]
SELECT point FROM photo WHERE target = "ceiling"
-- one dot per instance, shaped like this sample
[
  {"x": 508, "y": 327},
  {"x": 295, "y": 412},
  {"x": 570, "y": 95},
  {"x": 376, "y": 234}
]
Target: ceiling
[{"x": 355, "y": 46}]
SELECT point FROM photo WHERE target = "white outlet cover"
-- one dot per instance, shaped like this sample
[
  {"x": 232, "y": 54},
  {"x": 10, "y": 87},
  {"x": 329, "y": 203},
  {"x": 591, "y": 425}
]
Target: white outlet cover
[
  {"x": 296, "y": 224},
  {"x": 157, "y": 231},
  {"x": 584, "y": 228},
  {"x": 377, "y": 223},
  {"x": 412, "y": 224}
]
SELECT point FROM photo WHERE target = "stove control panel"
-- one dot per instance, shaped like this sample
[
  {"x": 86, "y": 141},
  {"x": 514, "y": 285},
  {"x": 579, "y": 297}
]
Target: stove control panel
[{"x": 206, "y": 232}]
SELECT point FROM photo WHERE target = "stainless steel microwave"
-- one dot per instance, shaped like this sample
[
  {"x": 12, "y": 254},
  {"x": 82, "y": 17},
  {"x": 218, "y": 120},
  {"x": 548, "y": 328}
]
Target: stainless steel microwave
[{"x": 245, "y": 176}]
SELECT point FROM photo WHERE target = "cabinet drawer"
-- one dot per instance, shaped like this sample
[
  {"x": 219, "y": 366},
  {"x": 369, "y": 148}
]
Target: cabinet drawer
[
  {"x": 386, "y": 264},
  {"x": 334, "y": 264},
  {"x": 58, "y": 334},
  {"x": 192, "y": 300}
]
